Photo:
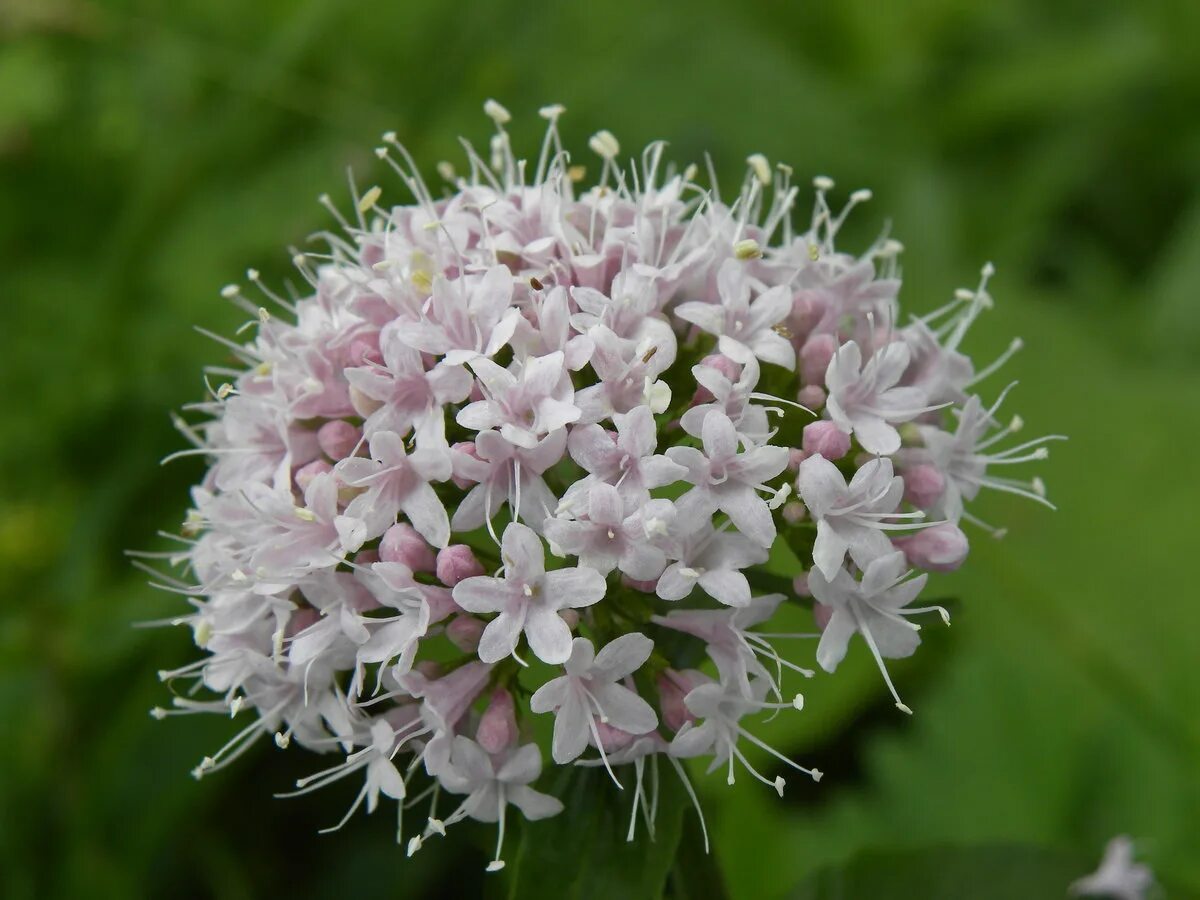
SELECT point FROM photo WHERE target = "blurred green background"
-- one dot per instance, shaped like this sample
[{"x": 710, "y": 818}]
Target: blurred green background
[{"x": 150, "y": 152}]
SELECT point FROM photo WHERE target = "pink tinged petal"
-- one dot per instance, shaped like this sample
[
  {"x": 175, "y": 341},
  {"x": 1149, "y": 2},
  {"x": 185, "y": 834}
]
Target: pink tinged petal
[
  {"x": 522, "y": 553},
  {"x": 351, "y": 532},
  {"x": 658, "y": 471},
  {"x": 472, "y": 510},
  {"x": 518, "y": 436},
  {"x": 871, "y": 478},
  {"x": 623, "y": 656},
  {"x": 450, "y": 384},
  {"x": 548, "y": 451},
  {"x": 835, "y": 639},
  {"x": 537, "y": 501},
  {"x": 574, "y": 588},
  {"x": 844, "y": 368},
  {"x": 354, "y": 470},
  {"x": 550, "y": 695},
  {"x": 641, "y": 561},
  {"x": 875, "y": 435},
  {"x": 719, "y": 436},
  {"x": 867, "y": 544},
  {"x": 503, "y": 332},
  {"x": 821, "y": 485},
  {"x": 706, "y": 316},
  {"x": 593, "y": 448},
  {"x": 427, "y": 515},
  {"x": 760, "y": 464},
  {"x": 521, "y": 767},
  {"x": 478, "y": 416},
  {"x": 571, "y": 731},
  {"x": 499, "y": 638},
  {"x": 673, "y": 584},
  {"x": 693, "y": 740},
  {"x": 555, "y": 414},
  {"x": 638, "y": 435},
  {"x": 428, "y": 337},
  {"x": 726, "y": 585},
  {"x": 692, "y": 460},
  {"x": 533, "y": 804},
  {"x": 887, "y": 366},
  {"x": 894, "y": 640},
  {"x": 902, "y": 403},
  {"x": 771, "y": 307},
  {"x": 829, "y": 550},
  {"x": 605, "y": 506},
  {"x": 773, "y": 348},
  {"x": 482, "y": 594},
  {"x": 548, "y": 635},
  {"x": 749, "y": 513},
  {"x": 624, "y": 709},
  {"x": 542, "y": 373}
]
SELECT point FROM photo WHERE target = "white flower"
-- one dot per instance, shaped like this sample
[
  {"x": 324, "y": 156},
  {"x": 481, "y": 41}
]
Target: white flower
[
  {"x": 851, "y": 518},
  {"x": 866, "y": 400},
  {"x": 741, "y": 322},
  {"x": 588, "y": 691},
  {"x": 875, "y": 608},
  {"x": 528, "y": 599},
  {"x": 491, "y": 783},
  {"x": 524, "y": 407},
  {"x": 728, "y": 480},
  {"x": 1118, "y": 876},
  {"x": 398, "y": 483},
  {"x": 613, "y": 537}
]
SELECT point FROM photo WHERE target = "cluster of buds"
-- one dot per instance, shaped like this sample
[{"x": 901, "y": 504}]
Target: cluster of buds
[{"x": 524, "y": 449}]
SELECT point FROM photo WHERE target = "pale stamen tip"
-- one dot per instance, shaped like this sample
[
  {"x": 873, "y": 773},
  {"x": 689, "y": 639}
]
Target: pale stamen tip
[
  {"x": 495, "y": 865},
  {"x": 798, "y": 701},
  {"x": 779, "y": 785},
  {"x": 904, "y": 708}
]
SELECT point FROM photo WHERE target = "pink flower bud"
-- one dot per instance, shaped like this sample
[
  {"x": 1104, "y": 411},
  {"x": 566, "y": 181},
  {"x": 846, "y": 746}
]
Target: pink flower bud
[
  {"x": 800, "y": 585},
  {"x": 795, "y": 457},
  {"x": 456, "y": 562},
  {"x": 821, "y": 615},
  {"x": 815, "y": 355},
  {"x": 441, "y": 603},
  {"x": 402, "y": 544},
  {"x": 497, "y": 729},
  {"x": 613, "y": 739},
  {"x": 338, "y": 438},
  {"x": 570, "y": 616},
  {"x": 305, "y": 474},
  {"x": 811, "y": 396},
  {"x": 941, "y": 548},
  {"x": 808, "y": 309},
  {"x": 923, "y": 485},
  {"x": 464, "y": 632},
  {"x": 364, "y": 350},
  {"x": 646, "y": 587},
  {"x": 467, "y": 447},
  {"x": 826, "y": 439},
  {"x": 722, "y": 364},
  {"x": 366, "y": 557},
  {"x": 673, "y": 686},
  {"x": 794, "y": 512}
]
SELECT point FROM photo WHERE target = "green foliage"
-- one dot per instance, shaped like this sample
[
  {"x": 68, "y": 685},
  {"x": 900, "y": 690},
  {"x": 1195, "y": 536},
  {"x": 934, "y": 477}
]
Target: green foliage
[{"x": 149, "y": 153}]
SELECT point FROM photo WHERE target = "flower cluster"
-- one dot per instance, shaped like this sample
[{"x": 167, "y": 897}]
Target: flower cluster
[{"x": 521, "y": 452}]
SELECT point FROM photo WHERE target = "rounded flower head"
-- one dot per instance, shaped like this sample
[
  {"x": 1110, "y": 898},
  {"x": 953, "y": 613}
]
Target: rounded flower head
[{"x": 527, "y": 448}]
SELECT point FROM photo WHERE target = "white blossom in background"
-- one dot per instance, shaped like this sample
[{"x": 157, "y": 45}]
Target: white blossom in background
[
  {"x": 523, "y": 448},
  {"x": 1118, "y": 876}
]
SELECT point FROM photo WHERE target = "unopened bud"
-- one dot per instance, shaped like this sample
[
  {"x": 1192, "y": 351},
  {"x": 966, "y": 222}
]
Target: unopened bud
[
  {"x": 826, "y": 439},
  {"x": 402, "y": 544},
  {"x": 456, "y": 562}
]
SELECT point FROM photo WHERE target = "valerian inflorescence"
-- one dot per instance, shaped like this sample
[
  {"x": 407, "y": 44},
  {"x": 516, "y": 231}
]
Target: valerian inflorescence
[{"x": 522, "y": 450}]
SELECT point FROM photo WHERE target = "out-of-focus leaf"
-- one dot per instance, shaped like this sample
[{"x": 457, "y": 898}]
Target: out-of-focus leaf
[
  {"x": 582, "y": 854},
  {"x": 1000, "y": 872}
]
